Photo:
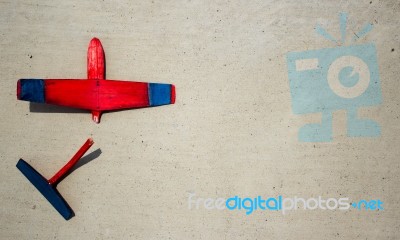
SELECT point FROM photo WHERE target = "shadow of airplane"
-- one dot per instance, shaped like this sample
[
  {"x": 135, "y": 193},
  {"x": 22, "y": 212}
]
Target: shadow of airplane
[{"x": 49, "y": 108}]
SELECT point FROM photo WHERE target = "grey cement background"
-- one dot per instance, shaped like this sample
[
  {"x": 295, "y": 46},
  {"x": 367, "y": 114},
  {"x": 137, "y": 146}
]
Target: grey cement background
[{"x": 231, "y": 131}]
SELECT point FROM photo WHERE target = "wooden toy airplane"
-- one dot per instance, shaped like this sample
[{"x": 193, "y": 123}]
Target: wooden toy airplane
[{"x": 95, "y": 93}]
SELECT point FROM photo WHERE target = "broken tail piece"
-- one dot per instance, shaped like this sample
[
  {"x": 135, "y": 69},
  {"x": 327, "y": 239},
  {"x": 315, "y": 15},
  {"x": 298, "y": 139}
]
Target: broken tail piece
[
  {"x": 96, "y": 116},
  {"x": 48, "y": 187}
]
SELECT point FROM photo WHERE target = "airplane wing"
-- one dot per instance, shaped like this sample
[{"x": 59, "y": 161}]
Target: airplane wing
[{"x": 96, "y": 95}]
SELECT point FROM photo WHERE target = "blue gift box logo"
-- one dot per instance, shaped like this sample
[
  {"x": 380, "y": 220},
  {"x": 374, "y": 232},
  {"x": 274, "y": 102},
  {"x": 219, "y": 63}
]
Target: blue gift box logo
[{"x": 325, "y": 80}]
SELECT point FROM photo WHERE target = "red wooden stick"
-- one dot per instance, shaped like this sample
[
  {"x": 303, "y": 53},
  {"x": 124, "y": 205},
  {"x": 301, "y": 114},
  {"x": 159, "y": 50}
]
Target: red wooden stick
[{"x": 78, "y": 155}]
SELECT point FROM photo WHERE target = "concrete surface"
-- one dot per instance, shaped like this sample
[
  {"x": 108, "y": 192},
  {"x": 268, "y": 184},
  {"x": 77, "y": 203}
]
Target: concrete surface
[{"x": 231, "y": 132}]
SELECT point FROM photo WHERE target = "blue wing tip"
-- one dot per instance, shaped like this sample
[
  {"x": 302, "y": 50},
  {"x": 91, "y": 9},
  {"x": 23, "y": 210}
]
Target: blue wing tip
[
  {"x": 31, "y": 90},
  {"x": 161, "y": 94}
]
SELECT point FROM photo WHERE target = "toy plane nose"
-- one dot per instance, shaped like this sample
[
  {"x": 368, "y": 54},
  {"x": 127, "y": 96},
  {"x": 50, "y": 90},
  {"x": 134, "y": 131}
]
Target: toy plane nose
[{"x": 31, "y": 90}]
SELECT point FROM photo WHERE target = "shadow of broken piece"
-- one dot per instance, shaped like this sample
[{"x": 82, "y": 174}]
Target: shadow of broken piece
[
  {"x": 83, "y": 161},
  {"x": 86, "y": 159}
]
